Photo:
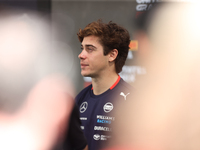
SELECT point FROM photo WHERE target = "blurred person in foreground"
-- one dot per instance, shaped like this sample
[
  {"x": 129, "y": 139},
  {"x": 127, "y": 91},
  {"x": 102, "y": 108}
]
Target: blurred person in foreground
[
  {"x": 105, "y": 48},
  {"x": 165, "y": 107},
  {"x": 35, "y": 103}
]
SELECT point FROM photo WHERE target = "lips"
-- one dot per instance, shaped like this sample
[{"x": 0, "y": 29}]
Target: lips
[{"x": 83, "y": 65}]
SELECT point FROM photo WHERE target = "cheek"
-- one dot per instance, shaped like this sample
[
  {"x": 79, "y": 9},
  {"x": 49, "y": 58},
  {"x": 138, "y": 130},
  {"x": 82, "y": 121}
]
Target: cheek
[
  {"x": 97, "y": 60},
  {"x": 100, "y": 62}
]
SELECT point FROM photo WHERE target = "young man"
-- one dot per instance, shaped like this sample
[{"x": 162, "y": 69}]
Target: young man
[{"x": 104, "y": 51}]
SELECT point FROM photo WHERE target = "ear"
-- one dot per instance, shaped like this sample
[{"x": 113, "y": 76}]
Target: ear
[{"x": 113, "y": 55}]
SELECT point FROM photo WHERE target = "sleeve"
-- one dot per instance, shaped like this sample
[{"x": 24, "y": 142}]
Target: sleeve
[{"x": 75, "y": 139}]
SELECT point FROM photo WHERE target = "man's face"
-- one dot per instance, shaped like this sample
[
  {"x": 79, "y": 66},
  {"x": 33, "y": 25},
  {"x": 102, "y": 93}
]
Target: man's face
[{"x": 92, "y": 60}]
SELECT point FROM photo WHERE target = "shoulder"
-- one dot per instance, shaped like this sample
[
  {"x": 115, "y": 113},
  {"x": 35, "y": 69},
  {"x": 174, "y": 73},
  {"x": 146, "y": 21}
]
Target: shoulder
[
  {"x": 125, "y": 85},
  {"x": 83, "y": 93},
  {"x": 123, "y": 91}
]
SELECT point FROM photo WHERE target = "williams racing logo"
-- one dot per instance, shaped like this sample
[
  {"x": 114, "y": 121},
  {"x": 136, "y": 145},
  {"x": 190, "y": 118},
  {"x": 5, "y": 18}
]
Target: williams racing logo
[{"x": 103, "y": 121}]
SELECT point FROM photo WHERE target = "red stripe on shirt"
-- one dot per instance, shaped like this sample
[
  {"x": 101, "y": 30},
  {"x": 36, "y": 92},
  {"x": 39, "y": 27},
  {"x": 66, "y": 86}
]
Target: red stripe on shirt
[{"x": 116, "y": 82}]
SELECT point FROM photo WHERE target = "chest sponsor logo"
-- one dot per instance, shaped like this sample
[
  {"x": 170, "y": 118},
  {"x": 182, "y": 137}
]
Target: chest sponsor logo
[
  {"x": 103, "y": 121},
  {"x": 96, "y": 137},
  {"x": 100, "y": 128},
  {"x": 105, "y": 137},
  {"x": 108, "y": 107},
  {"x": 101, "y": 137},
  {"x": 83, "y": 107},
  {"x": 83, "y": 118},
  {"x": 124, "y": 95},
  {"x": 82, "y": 127},
  {"x": 105, "y": 117}
]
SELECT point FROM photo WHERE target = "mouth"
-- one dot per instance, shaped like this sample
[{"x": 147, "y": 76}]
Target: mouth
[{"x": 84, "y": 65}]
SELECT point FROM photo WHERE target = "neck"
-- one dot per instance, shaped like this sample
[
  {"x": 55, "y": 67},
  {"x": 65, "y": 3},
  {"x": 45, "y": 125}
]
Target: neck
[{"x": 102, "y": 84}]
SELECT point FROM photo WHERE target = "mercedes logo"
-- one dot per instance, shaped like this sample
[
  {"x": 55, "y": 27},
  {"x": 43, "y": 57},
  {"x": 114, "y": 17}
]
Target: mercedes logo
[{"x": 83, "y": 107}]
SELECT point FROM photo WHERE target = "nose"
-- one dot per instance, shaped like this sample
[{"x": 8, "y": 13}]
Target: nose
[{"x": 82, "y": 55}]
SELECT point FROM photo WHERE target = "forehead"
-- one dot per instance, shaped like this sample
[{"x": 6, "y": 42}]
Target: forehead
[{"x": 91, "y": 40}]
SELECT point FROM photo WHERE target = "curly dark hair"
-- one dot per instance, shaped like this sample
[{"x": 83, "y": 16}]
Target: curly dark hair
[{"x": 112, "y": 36}]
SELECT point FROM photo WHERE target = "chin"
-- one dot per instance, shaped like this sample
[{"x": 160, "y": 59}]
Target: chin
[{"x": 85, "y": 74}]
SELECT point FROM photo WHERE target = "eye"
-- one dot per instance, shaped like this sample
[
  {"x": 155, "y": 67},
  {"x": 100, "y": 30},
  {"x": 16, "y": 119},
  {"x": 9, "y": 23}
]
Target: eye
[{"x": 90, "y": 49}]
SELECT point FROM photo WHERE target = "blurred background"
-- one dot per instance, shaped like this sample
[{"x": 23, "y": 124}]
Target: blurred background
[
  {"x": 52, "y": 46},
  {"x": 65, "y": 17}
]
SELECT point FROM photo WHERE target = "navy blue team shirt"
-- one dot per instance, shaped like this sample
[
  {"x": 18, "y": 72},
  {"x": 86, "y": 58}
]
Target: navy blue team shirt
[{"x": 96, "y": 112}]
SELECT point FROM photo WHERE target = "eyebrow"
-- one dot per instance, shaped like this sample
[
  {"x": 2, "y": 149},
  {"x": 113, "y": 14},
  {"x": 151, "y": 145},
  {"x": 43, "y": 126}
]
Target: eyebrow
[{"x": 88, "y": 45}]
